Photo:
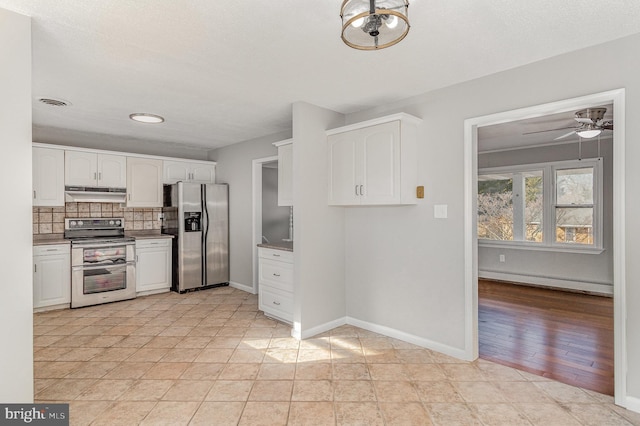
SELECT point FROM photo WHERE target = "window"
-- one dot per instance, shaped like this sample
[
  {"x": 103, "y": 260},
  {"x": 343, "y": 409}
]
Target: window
[{"x": 551, "y": 204}]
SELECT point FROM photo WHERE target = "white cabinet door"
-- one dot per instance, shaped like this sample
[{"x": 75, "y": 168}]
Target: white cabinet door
[
  {"x": 112, "y": 171},
  {"x": 285, "y": 175},
  {"x": 374, "y": 163},
  {"x": 176, "y": 171},
  {"x": 144, "y": 182},
  {"x": 203, "y": 173},
  {"x": 379, "y": 165},
  {"x": 48, "y": 177},
  {"x": 344, "y": 188},
  {"x": 51, "y": 275},
  {"x": 80, "y": 168},
  {"x": 185, "y": 171},
  {"x": 153, "y": 265}
]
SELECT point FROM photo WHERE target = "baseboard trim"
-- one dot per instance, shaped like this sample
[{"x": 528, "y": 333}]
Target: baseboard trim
[
  {"x": 410, "y": 338},
  {"x": 633, "y": 404},
  {"x": 319, "y": 329},
  {"x": 596, "y": 288},
  {"x": 243, "y": 287}
]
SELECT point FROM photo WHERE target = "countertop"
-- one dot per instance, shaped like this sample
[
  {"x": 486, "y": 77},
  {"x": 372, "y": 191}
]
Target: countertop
[
  {"x": 44, "y": 239},
  {"x": 146, "y": 235},
  {"x": 280, "y": 245}
]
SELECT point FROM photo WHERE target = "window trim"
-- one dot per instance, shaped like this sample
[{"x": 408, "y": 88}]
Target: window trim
[{"x": 549, "y": 242}]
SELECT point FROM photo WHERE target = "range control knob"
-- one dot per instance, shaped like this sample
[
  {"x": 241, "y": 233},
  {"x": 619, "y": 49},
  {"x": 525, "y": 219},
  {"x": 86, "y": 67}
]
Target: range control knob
[
  {"x": 72, "y": 223},
  {"x": 117, "y": 222},
  {"x": 80, "y": 223},
  {"x": 111, "y": 222}
]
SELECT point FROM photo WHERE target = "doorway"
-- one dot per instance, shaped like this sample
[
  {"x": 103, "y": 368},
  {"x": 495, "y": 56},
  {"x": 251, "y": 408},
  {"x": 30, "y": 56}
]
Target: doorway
[{"x": 616, "y": 98}]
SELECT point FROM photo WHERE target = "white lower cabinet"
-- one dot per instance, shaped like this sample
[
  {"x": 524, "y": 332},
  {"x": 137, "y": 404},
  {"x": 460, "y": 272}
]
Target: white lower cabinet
[
  {"x": 153, "y": 265},
  {"x": 275, "y": 282},
  {"x": 51, "y": 275}
]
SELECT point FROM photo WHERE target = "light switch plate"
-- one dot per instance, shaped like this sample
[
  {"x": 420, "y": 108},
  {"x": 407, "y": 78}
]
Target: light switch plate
[{"x": 440, "y": 211}]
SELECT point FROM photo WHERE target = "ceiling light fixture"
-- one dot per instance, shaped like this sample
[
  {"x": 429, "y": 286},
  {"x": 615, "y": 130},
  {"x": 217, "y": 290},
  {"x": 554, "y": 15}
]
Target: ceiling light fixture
[
  {"x": 143, "y": 117},
  {"x": 589, "y": 132},
  {"x": 372, "y": 25}
]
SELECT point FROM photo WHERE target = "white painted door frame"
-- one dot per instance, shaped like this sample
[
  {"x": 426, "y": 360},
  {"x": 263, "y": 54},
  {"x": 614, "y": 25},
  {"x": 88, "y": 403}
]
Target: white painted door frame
[
  {"x": 617, "y": 97},
  {"x": 256, "y": 171}
]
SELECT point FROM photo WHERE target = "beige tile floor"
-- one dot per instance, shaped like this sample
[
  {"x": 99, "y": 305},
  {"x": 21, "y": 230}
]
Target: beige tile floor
[{"x": 211, "y": 358}]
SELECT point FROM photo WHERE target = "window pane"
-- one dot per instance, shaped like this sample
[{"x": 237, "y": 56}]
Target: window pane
[
  {"x": 574, "y": 186},
  {"x": 574, "y": 225},
  {"x": 533, "y": 205},
  {"x": 495, "y": 207}
]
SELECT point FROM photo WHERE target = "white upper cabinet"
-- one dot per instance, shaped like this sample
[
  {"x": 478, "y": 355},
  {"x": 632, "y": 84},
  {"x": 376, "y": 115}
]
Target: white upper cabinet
[
  {"x": 285, "y": 172},
  {"x": 48, "y": 177},
  {"x": 144, "y": 182},
  {"x": 185, "y": 171},
  {"x": 91, "y": 169},
  {"x": 374, "y": 162}
]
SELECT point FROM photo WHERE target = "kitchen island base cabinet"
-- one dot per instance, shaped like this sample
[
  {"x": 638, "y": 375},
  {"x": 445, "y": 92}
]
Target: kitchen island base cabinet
[
  {"x": 51, "y": 277},
  {"x": 275, "y": 294},
  {"x": 153, "y": 266}
]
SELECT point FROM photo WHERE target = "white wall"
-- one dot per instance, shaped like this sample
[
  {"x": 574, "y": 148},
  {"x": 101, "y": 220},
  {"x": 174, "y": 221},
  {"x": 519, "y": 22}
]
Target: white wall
[
  {"x": 588, "y": 272},
  {"x": 319, "y": 273},
  {"x": 404, "y": 268},
  {"x": 234, "y": 168},
  {"x": 16, "y": 294}
]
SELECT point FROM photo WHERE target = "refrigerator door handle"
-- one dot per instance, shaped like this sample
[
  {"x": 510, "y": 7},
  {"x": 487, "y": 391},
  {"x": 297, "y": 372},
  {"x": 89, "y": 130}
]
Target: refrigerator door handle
[{"x": 205, "y": 233}]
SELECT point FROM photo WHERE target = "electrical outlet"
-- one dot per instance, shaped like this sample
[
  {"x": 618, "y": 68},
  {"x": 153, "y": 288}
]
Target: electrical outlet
[{"x": 502, "y": 260}]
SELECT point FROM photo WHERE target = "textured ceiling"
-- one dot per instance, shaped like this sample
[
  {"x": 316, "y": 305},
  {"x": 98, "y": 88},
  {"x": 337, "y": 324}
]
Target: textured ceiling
[{"x": 225, "y": 72}]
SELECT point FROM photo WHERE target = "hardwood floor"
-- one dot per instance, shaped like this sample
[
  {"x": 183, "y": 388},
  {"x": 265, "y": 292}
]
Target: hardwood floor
[{"x": 564, "y": 336}]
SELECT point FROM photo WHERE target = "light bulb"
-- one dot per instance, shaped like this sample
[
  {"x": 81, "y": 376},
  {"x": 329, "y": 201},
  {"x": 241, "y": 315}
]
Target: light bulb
[
  {"x": 357, "y": 23},
  {"x": 392, "y": 21}
]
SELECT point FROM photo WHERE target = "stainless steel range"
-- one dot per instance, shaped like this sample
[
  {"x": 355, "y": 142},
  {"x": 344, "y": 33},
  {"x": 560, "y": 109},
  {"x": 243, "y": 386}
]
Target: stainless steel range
[{"x": 103, "y": 267}]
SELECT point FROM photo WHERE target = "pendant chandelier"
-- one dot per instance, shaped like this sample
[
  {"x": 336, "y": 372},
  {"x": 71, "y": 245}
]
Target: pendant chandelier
[{"x": 374, "y": 24}]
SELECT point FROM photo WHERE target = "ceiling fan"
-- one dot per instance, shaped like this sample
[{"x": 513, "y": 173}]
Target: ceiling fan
[{"x": 591, "y": 123}]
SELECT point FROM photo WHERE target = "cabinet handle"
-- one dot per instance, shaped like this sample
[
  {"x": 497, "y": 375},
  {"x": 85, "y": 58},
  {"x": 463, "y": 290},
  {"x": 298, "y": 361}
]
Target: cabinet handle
[
  {"x": 276, "y": 275},
  {"x": 361, "y": 193},
  {"x": 356, "y": 190},
  {"x": 34, "y": 194},
  {"x": 35, "y": 268},
  {"x": 136, "y": 258},
  {"x": 276, "y": 303},
  {"x": 129, "y": 196},
  {"x": 100, "y": 176},
  {"x": 95, "y": 175},
  {"x": 276, "y": 255}
]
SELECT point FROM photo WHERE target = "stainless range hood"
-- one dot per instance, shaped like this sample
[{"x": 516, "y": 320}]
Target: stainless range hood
[{"x": 91, "y": 194}]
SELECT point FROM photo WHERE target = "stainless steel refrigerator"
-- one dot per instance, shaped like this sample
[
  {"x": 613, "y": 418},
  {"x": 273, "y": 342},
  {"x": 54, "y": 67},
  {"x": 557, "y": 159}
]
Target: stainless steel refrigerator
[{"x": 197, "y": 215}]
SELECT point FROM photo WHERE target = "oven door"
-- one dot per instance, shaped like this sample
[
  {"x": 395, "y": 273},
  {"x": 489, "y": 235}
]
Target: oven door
[{"x": 102, "y": 275}]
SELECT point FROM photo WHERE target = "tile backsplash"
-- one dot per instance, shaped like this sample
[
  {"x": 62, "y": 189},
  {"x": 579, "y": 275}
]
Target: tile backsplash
[{"x": 50, "y": 220}]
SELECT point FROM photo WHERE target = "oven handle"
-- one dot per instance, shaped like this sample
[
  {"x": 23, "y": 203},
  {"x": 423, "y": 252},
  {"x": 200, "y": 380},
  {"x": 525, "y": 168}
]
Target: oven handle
[
  {"x": 101, "y": 245},
  {"x": 113, "y": 266}
]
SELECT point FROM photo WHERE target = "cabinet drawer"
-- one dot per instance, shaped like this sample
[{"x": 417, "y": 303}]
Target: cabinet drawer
[
  {"x": 152, "y": 243},
  {"x": 281, "y": 255},
  {"x": 277, "y": 303},
  {"x": 48, "y": 249},
  {"x": 276, "y": 274}
]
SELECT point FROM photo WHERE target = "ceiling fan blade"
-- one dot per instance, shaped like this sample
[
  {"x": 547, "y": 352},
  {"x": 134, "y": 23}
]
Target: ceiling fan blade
[
  {"x": 548, "y": 130},
  {"x": 565, "y": 135},
  {"x": 606, "y": 125},
  {"x": 584, "y": 120}
]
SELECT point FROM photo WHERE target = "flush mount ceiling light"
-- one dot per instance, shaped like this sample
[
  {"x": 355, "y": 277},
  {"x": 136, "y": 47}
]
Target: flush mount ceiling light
[
  {"x": 374, "y": 24},
  {"x": 143, "y": 117}
]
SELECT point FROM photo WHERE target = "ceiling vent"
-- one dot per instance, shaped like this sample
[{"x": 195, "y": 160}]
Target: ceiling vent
[{"x": 54, "y": 102}]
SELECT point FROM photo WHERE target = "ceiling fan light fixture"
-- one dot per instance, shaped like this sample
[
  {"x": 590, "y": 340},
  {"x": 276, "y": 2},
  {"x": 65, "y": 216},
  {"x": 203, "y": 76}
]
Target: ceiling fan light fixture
[
  {"x": 143, "y": 117},
  {"x": 374, "y": 24},
  {"x": 588, "y": 133}
]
